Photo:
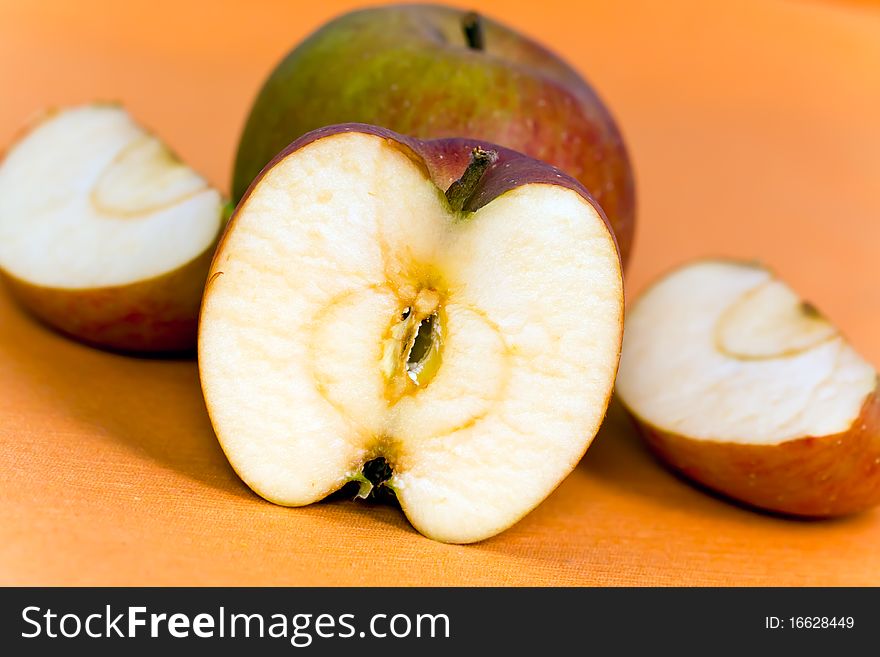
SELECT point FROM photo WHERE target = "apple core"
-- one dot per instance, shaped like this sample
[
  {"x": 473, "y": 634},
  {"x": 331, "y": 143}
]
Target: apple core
[{"x": 412, "y": 351}]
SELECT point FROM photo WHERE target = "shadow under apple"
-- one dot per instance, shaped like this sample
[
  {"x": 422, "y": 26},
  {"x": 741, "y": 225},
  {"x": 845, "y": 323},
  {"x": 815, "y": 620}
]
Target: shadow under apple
[{"x": 152, "y": 407}]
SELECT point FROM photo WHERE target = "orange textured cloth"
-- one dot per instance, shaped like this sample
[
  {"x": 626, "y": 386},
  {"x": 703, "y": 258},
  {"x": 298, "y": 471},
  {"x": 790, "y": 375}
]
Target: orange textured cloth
[{"x": 754, "y": 130}]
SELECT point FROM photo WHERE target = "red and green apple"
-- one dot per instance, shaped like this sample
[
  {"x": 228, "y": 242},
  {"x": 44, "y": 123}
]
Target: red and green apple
[{"x": 437, "y": 72}]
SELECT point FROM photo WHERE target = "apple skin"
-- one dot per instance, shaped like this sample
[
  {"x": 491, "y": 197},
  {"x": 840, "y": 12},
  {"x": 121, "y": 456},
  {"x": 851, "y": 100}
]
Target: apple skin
[
  {"x": 154, "y": 316},
  {"x": 814, "y": 477},
  {"x": 407, "y": 68}
]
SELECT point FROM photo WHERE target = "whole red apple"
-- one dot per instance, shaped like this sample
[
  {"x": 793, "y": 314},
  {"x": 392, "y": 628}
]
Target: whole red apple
[{"x": 432, "y": 72}]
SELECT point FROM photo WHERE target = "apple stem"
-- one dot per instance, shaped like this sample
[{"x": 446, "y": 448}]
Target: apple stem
[
  {"x": 377, "y": 471},
  {"x": 473, "y": 31},
  {"x": 462, "y": 189}
]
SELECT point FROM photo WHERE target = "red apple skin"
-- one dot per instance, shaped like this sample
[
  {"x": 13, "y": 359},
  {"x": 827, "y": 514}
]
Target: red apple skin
[
  {"x": 816, "y": 477},
  {"x": 153, "y": 316}
]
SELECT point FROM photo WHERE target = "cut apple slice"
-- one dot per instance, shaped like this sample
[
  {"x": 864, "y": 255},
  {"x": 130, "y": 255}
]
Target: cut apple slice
[
  {"x": 104, "y": 233},
  {"x": 361, "y": 326},
  {"x": 750, "y": 391}
]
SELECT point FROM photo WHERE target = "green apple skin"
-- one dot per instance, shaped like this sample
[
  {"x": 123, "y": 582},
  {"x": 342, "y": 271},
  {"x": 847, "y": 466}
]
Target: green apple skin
[{"x": 411, "y": 69}]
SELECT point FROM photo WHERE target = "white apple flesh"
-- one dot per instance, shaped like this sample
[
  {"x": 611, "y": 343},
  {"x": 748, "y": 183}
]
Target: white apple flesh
[
  {"x": 353, "y": 314},
  {"x": 750, "y": 391},
  {"x": 104, "y": 233}
]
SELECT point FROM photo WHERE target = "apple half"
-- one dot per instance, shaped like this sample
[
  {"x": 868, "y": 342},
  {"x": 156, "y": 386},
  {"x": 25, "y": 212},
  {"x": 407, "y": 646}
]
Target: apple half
[
  {"x": 362, "y": 325},
  {"x": 748, "y": 390},
  {"x": 104, "y": 233}
]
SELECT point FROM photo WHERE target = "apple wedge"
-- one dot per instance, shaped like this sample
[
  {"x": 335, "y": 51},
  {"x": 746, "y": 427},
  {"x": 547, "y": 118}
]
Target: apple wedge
[
  {"x": 104, "y": 233},
  {"x": 750, "y": 391},
  {"x": 361, "y": 325}
]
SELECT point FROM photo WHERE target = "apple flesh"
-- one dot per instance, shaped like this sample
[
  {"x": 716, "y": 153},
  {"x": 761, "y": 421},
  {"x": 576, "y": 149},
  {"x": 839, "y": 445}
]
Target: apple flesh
[
  {"x": 104, "y": 233},
  {"x": 362, "y": 325},
  {"x": 437, "y": 72},
  {"x": 750, "y": 391}
]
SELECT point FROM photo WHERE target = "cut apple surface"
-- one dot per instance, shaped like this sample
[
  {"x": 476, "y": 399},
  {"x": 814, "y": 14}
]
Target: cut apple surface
[
  {"x": 749, "y": 390},
  {"x": 360, "y": 325},
  {"x": 104, "y": 233}
]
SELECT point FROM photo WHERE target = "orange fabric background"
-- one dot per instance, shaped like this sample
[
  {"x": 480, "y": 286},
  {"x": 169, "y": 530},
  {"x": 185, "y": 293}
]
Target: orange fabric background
[{"x": 754, "y": 129}]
